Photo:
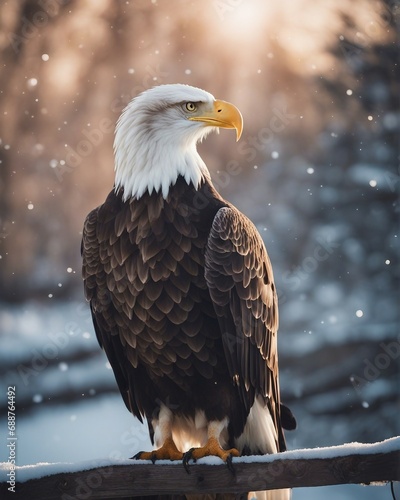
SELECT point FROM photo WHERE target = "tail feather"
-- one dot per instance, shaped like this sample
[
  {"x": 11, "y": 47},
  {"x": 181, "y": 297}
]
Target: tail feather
[{"x": 259, "y": 437}]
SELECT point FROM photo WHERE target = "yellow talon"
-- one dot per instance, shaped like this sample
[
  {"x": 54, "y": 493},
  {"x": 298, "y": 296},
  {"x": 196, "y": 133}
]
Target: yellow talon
[
  {"x": 167, "y": 451},
  {"x": 212, "y": 448}
]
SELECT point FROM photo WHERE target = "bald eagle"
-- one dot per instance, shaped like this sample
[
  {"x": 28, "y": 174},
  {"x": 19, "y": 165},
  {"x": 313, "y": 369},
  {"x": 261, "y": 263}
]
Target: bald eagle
[{"x": 181, "y": 288}]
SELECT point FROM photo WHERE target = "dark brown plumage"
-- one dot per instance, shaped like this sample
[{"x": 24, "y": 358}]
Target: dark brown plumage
[{"x": 184, "y": 304}]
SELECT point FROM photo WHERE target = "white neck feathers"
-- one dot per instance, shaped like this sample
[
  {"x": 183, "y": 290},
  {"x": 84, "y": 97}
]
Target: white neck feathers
[{"x": 154, "y": 145}]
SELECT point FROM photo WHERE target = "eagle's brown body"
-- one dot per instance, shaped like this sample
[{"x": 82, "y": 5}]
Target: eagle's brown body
[{"x": 184, "y": 305}]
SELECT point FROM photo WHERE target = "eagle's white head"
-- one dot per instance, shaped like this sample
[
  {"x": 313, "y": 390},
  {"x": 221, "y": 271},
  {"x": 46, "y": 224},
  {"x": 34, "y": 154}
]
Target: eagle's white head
[{"x": 156, "y": 137}]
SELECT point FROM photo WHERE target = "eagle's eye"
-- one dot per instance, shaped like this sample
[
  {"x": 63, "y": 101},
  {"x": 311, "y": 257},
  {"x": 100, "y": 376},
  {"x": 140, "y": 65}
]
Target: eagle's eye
[{"x": 190, "y": 106}]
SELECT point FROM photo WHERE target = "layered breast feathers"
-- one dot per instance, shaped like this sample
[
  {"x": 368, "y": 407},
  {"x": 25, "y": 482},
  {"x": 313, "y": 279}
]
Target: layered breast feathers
[{"x": 143, "y": 270}]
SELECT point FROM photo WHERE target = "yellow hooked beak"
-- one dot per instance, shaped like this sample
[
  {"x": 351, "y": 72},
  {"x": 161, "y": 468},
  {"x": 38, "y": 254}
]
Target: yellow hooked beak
[{"x": 224, "y": 115}]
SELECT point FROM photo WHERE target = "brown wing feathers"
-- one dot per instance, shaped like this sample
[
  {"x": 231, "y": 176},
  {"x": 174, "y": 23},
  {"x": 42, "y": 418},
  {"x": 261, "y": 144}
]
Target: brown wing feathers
[{"x": 240, "y": 280}]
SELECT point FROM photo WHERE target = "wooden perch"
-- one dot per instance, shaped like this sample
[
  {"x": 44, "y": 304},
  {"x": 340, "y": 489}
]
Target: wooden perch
[{"x": 321, "y": 467}]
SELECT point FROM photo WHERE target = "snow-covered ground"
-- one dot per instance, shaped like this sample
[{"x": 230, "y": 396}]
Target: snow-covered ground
[{"x": 68, "y": 408}]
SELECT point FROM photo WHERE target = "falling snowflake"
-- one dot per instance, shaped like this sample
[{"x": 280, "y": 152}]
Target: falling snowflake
[{"x": 32, "y": 82}]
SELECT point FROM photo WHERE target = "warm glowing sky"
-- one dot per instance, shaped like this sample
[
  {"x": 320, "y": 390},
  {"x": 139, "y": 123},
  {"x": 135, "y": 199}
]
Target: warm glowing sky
[{"x": 302, "y": 27}]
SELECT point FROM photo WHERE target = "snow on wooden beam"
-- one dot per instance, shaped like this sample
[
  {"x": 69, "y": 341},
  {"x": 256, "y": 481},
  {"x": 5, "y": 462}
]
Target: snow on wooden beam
[{"x": 346, "y": 464}]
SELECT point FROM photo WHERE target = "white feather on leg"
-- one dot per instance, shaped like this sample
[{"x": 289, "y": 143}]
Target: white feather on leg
[
  {"x": 259, "y": 436},
  {"x": 270, "y": 495}
]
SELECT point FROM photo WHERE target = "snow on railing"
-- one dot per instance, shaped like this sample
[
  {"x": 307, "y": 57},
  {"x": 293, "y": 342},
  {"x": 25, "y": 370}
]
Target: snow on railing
[{"x": 352, "y": 463}]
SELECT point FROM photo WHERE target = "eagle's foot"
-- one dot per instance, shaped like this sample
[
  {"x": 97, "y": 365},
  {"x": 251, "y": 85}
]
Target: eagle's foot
[
  {"x": 167, "y": 451},
  {"x": 212, "y": 448}
]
